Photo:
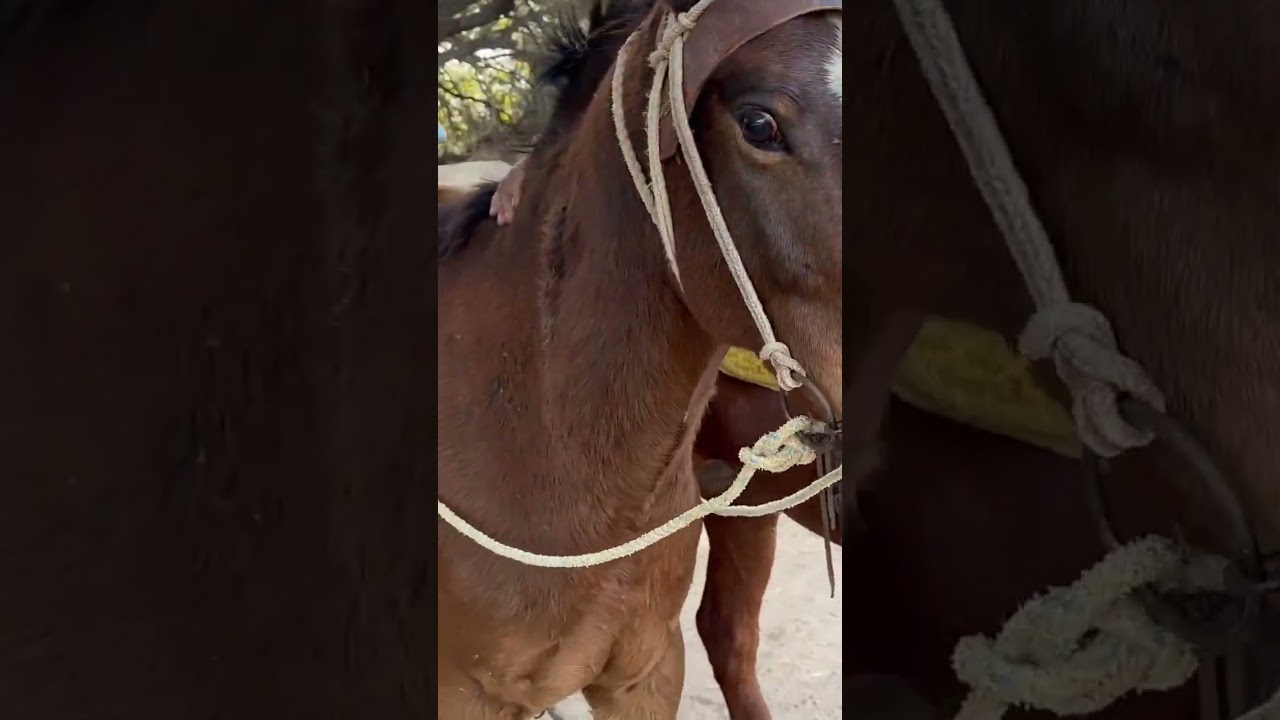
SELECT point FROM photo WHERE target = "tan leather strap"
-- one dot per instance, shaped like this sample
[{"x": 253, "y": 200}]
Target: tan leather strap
[{"x": 726, "y": 26}]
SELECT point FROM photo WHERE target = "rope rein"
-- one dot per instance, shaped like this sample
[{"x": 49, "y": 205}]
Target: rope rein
[{"x": 777, "y": 451}]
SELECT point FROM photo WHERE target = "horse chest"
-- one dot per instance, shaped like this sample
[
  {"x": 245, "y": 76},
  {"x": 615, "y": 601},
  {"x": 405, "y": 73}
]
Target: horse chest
[{"x": 609, "y": 626}]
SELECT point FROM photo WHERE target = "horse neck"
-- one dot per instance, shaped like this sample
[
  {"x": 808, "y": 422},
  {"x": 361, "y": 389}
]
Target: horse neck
[
  {"x": 622, "y": 358},
  {"x": 610, "y": 361}
]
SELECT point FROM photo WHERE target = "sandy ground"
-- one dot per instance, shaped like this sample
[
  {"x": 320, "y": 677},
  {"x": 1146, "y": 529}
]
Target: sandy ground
[{"x": 800, "y": 648}]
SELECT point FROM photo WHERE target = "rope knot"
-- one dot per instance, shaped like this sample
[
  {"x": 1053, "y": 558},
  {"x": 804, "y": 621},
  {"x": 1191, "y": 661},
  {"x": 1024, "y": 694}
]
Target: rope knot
[
  {"x": 1075, "y": 650},
  {"x": 674, "y": 27},
  {"x": 784, "y": 365},
  {"x": 1083, "y": 347},
  {"x": 781, "y": 449}
]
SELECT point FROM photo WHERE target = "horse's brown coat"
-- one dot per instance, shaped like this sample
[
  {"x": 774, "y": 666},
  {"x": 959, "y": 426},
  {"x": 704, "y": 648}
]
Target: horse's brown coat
[
  {"x": 570, "y": 395},
  {"x": 1164, "y": 107},
  {"x": 214, "y": 284}
]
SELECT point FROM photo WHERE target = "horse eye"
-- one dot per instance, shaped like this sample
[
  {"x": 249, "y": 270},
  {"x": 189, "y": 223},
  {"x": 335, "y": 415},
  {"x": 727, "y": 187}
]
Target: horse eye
[{"x": 760, "y": 129}]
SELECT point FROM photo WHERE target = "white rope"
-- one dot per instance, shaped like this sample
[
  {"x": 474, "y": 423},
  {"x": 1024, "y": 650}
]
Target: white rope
[
  {"x": 777, "y": 451},
  {"x": 1270, "y": 710},
  {"x": 1075, "y": 650},
  {"x": 667, "y": 61},
  {"x": 1077, "y": 337}
]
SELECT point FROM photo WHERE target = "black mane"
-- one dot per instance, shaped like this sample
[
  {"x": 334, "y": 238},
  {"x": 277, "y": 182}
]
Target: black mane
[
  {"x": 457, "y": 221},
  {"x": 578, "y": 59},
  {"x": 571, "y": 44}
]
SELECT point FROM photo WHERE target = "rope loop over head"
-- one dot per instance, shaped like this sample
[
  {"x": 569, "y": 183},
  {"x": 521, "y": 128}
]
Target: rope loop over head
[
  {"x": 675, "y": 27},
  {"x": 1083, "y": 347},
  {"x": 668, "y": 77}
]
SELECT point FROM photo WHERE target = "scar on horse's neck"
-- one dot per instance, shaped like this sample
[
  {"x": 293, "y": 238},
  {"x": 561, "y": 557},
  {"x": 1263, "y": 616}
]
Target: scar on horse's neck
[
  {"x": 621, "y": 357},
  {"x": 618, "y": 366}
]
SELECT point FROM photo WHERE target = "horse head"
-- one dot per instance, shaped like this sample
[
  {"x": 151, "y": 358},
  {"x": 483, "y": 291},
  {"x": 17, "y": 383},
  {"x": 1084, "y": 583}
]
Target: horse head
[{"x": 762, "y": 92}]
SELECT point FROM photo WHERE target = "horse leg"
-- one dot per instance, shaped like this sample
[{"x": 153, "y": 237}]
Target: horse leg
[
  {"x": 656, "y": 696},
  {"x": 738, "y": 567},
  {"x": 739, "y": 562}
]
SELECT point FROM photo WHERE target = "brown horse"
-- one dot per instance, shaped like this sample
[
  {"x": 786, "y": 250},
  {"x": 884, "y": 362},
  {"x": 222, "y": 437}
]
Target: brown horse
[
  {"x": 973, "y": 279},
  {"x": 570, "y": 395}
]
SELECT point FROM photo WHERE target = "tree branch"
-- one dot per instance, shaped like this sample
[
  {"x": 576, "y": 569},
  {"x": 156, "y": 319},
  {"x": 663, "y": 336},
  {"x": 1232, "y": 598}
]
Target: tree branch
[
  {"x": 498, "y": 112},
  {"x": 461, "y": 47},
  {"x": 456, "y": 23}
]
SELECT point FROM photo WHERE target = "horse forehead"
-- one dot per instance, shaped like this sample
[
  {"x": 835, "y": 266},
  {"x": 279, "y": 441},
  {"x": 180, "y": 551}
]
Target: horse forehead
[{"x": 807, "y": 49}]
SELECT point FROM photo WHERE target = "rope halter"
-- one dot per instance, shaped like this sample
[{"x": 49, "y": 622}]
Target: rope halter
[
  {"x": 667, "y": 61},
  {"x": 778, "y": 451}
]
